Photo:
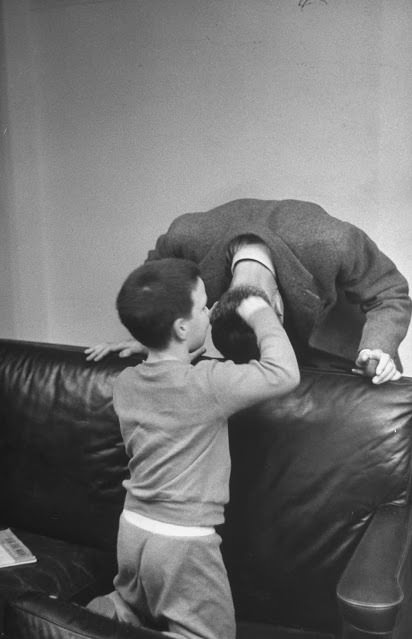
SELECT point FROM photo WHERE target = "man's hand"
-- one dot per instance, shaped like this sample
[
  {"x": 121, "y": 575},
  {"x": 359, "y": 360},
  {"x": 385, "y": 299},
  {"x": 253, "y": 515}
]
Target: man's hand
[
  {"x": 125, "y": 348},
  {"x": 376, "y": 364}
]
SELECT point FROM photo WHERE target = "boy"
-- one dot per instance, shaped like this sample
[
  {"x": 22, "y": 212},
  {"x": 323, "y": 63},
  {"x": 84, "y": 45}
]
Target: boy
[{"x": 173, "y": 419}]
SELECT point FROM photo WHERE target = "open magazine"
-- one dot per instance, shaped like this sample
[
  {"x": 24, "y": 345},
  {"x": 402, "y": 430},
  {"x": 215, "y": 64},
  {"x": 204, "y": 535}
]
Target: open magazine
[{"x": 12, "y": 551}]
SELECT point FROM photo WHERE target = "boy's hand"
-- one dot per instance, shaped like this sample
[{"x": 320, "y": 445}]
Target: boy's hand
[
  {"x": 125, "y": 348},
  {"x": 376, "y": 364},
  {"x": 250, "y": 305}
]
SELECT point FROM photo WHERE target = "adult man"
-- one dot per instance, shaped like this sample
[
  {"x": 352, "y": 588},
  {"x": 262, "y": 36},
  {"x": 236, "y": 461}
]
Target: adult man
[{"x": 344, "y": 300}]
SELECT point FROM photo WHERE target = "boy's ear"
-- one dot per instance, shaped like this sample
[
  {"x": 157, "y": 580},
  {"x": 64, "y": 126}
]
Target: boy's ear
[{"x": 180, "y": 327}]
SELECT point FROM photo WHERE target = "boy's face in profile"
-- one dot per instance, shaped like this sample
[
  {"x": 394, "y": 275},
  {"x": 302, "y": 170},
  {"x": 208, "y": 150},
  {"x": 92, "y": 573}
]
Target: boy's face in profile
[{"x": 199, "y": 320}]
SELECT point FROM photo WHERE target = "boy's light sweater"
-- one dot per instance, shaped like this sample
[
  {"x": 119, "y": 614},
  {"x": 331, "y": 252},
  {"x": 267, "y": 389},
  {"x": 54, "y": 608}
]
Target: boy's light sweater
[{"x": 173, "y": 419}]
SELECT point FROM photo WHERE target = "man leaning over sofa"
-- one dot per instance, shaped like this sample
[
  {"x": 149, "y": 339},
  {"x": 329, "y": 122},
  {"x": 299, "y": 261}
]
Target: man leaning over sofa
[{"x": 343, "y": 302}]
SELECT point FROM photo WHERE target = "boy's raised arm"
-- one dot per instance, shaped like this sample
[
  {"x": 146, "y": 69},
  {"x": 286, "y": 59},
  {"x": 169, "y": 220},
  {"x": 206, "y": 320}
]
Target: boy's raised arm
[{"x": 276, "y": 373}]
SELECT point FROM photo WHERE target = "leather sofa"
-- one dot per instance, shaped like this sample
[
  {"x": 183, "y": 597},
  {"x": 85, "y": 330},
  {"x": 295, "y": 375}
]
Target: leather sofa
[{"x": 317, "y": 539}]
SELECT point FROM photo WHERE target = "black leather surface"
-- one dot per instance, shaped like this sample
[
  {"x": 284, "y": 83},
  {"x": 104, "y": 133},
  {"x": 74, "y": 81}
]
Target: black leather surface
[
  {"x": 370, "y": 592},
  {"x": 309, "y": 473},
  {"x": 35, "y": 615},
  {"x": 71, "y": 571},
  {"x": 40, "y": 617},
  {"x": 61, "y": 457}
]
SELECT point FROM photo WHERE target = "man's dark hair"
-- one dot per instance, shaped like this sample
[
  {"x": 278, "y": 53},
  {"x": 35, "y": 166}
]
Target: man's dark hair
[
  {"x": 230, "y": 334},
  {"x": 153, "y": 296}
]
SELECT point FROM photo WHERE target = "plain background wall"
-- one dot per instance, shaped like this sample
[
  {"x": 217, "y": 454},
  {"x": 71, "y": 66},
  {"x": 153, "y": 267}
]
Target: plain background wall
[{"x": 118, "y": 115}]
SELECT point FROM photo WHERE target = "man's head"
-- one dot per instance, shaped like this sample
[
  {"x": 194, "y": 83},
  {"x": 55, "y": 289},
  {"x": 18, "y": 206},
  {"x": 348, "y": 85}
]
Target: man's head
[
  {"x": 230, "y": 334},
  {"x": 249, "y": 260},
  {"x": 162, "y": 297}
]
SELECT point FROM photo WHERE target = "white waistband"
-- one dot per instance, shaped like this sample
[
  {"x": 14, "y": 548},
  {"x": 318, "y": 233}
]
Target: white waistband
[{"x": 162, "y": 528}]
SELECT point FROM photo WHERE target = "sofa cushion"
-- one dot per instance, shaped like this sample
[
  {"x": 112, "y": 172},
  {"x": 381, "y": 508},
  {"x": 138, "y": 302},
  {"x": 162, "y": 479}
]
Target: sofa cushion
[
  {"x": 35, "y": 616},
  {"x": 263, "y": 631},
  {"x": 70, "y": 571}
]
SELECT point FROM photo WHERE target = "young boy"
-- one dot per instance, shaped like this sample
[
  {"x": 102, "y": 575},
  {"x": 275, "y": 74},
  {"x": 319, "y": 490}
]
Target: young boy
[{"x": 173, "y": 419}]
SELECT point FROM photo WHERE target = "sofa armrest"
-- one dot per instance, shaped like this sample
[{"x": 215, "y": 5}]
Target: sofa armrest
[
  {"x": 370, "y": 593},
  {"x": 35, "y": 615}
]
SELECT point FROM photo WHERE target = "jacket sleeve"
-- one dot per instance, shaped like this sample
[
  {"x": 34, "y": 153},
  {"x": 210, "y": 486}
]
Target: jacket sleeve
[
  {"x": 178, "y": 241},
  {"x": 369, "y": 278},
  {"x": 164, "y": 248}
]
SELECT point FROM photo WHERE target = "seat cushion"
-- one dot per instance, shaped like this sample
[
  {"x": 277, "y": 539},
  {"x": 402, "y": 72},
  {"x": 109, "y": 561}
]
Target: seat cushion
[
  {"x": 72, "y": 572},
  {"x": 263, "y": 631},
  {"x": 36, "y": 616}
]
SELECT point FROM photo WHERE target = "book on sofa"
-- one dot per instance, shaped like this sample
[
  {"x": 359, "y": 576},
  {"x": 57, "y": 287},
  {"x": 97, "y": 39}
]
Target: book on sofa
[{"x": 12, "y": 551}]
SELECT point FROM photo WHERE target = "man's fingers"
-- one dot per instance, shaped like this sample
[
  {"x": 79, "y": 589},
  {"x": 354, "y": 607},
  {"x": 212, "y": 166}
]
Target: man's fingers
[
  {"x": 101, "y": 354},
  {"x": 377, "y": 365},
  {"x": 127, "y": 352},
  {"x": 96, "y": 353},
  {"x": 363, "y": 356},
  {"x": 99, "y": 351},
  {"x": 389, "y": 373},
  {"x": 358, "y": 371},
  {"x": 385, "y": 362}
]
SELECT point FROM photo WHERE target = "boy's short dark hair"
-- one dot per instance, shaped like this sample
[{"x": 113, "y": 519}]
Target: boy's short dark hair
[
  {"x": 230, "y": 334},
  {"x": 153, "y": 296}
]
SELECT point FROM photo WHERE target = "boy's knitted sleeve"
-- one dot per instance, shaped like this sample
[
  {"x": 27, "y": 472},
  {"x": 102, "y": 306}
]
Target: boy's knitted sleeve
[{"x": 238, "y": 386}]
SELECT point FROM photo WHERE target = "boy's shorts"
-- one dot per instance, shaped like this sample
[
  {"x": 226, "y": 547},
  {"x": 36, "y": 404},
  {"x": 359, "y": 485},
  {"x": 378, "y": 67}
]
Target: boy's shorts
[{"x": 175, "y": 584}]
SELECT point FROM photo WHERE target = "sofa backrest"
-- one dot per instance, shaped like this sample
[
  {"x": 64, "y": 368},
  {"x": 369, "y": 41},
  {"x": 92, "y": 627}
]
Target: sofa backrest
[
  {"x": 61, "y": 457},
  {"x": 308, "y": 472}
]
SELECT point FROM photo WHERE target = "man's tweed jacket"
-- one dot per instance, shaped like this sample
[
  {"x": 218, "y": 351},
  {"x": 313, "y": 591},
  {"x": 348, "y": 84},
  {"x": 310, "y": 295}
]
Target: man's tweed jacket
[{"x": 341, "y": 291}]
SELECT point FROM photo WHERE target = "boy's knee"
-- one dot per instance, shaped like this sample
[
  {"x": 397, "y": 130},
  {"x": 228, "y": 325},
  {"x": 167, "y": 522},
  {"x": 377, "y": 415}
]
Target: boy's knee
[
  {"x": 103, "y": 606},
  {"x": 113, "y": 607}
]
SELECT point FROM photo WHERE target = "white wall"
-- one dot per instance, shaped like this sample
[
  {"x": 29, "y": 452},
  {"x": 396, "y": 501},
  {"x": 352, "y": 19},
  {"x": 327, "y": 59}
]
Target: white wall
[
  {"x": 6, "y": 288},
  {"x": 123, "y": 114}
]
